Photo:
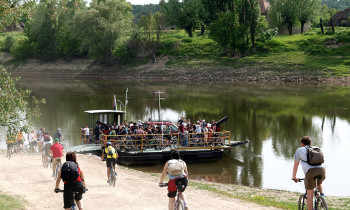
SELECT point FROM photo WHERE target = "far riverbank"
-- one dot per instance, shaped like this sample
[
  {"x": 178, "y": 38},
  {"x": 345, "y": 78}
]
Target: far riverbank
[{"x": 84, "y": 69}]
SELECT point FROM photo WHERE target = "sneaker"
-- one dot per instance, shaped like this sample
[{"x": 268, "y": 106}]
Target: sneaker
[
  {"x": 108, "y": 181},
  {"x": 53, "y": 175},
  {"x": 186, "y": 208}
]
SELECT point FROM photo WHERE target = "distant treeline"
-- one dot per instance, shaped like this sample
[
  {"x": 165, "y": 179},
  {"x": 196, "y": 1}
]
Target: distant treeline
[{"x": 114, "y": 30}]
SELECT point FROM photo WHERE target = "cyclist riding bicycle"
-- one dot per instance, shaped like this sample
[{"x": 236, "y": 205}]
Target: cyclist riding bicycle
[
  {"x": 74, "y": 182},
  {"x": 20, "y": 139},
  {"x": 310, "y": 170},
  {"x": 10, "y": 140},
  {"x": 112, "y": 156},
  {"x": 58, "y": 134},
  {"x": 47, "y": 143},
  {"x": 57, "y": 153},
  {"x": 178, "y": 178}
]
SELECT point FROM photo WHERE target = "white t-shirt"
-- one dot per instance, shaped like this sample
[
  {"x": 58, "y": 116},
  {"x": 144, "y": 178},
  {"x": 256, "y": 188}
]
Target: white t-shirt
[
  {"x": 301, "y": 155},
  {"x": 47, "y": 142},
  {"x": 87, "y": 131},
  {"x": 32, "y": 137}
]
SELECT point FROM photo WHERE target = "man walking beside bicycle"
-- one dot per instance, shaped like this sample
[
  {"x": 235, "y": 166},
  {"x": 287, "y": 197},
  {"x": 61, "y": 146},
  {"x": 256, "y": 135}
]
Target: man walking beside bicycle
[
  {"x": 310, "y": 171},
  {"x": 57, "y": 153},
  {"x": 112, "y": 156},
  {"x": 177, "y": 174}
]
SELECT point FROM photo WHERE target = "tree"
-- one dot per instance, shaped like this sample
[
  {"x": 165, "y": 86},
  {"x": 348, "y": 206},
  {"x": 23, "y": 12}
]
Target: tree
[
  {"x": 308, "y": 10},
  {"x": 185, "y": 14},
  {"x": 16, "y": 110},
  {"x": 225, "y": 31},
  {"x": 12, "y": 11},
  {"x": 103, "y": 26},
  {"x": 284, "y": 13}
]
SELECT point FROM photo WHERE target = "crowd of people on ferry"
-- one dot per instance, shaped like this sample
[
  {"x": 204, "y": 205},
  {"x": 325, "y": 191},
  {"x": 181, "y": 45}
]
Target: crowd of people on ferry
[{"x": 200, "y": 132}]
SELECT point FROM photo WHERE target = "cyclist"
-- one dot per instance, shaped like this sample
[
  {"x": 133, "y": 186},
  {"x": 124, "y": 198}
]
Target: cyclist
[
  {"x": 58, "y": 134},
  {"x": 20, "y": 140},
  {"x": 309, "y": 170},
  {"x": 57, "y": 153},
  {"x": 77, "y": 186},
  {"x": 178, "y": 178},
  {"x": 10, "y": 140},
  {"x": 112, "y": 156},
  {"x": 47, "y": 143}
]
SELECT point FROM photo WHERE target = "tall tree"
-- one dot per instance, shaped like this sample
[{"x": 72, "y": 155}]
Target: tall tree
[
  {"x": 284, "y": 13},
  {"x": 185, "y": 14},
  {"x": 308, "y": 10},
  {"x": 102, "y": 28}
]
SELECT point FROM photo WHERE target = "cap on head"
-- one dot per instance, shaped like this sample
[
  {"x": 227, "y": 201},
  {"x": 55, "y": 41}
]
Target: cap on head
[
  {"x": 59, "y": 129},
  {"x": 108, "y": 144},
  {"x": 56, "y": 139}
]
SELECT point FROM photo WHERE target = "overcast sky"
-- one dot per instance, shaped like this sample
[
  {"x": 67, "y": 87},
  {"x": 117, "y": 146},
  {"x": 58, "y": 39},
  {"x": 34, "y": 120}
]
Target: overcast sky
[{"x": 143, "y": 1}]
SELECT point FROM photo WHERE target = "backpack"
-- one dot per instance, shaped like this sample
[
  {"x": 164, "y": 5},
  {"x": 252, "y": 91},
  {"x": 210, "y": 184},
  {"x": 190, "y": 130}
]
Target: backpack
[
  {"x": 175, "y": 167},
  {"x": 69, "y": 171},
  {"x": 47, "y": 138},
  {"x": 314, "y": 156},
  {"x": 111, "y": 150}
]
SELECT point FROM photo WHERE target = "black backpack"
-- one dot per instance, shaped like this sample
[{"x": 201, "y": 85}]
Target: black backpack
[
  {"x": 314, "y": 155},
  {"x": 69, "y": 171}
]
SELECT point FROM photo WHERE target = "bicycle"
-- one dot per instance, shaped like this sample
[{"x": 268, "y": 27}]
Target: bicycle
[
  {"x": 45, "y": 160},
  {"x": 179, "y": 203},
  {"x": 319, "y": 201},
  {"x": 113, "y": 175},
  {"x": 74, "y": 206}
]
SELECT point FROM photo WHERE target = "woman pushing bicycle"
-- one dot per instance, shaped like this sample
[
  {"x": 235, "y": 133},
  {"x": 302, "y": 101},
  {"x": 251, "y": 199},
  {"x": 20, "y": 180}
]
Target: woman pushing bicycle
[{"x": 177, "y": 173}]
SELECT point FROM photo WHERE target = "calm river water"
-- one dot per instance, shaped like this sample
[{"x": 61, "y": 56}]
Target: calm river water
[{"x": 271, "y": 117}]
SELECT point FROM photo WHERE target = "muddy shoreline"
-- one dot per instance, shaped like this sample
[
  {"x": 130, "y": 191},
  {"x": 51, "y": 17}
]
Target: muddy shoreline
[{"x": 84, "y": 69}]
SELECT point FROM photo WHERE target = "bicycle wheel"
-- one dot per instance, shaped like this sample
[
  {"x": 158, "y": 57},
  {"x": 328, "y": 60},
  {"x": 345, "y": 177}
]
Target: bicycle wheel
[
  {"x": 302, "y": 203},
  {"x": 179, "y": 205},
  {"x": 321, "y": 203}
]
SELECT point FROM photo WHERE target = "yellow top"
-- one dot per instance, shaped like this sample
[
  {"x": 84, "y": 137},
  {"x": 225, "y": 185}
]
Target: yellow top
[
  {"x": 110, "y": 148},
  {"x": 19, "y": 136}
]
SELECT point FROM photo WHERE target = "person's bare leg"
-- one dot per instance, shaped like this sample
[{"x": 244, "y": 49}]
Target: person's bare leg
[
  {"x": 108, "y": 172},
  {"x": 320, "y": 188},
  {"x": 79, "y": 204},
  {"x": 310, "y": 194},
  {"x": 183, "y": 197},
  {"x": 171, "y": 203}
]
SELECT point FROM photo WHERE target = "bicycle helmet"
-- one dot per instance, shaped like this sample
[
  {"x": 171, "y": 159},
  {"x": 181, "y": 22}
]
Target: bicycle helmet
[{"x": 108, "y": 143}]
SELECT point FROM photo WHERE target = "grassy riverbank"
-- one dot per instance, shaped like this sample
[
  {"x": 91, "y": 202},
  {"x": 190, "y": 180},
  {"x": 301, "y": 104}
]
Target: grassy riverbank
[
  {"x": 11, "y": 202},
  {"x": 309, "y": 57}
]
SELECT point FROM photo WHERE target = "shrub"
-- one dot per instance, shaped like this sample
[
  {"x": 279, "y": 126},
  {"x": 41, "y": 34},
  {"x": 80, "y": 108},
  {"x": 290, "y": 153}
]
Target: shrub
[
  {"x": 22, "y": 49},
  {"x": 267, "y": 35},
  {"x": 346, "y": 63},
  {"x": 343, "y": 36},
  {"x": 9, "y": 41}
]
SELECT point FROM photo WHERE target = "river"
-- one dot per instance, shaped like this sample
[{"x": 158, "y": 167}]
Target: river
[{"x": 272, "y": 117}]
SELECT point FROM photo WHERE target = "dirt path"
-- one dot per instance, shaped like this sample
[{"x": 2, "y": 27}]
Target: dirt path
[{"x": 25, "y": 176}]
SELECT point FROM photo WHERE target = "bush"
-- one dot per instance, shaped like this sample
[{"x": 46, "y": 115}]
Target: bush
[
  {"x": 23, "y": 49},
  {"x": 347, "y": 63},
  {"x": 343, "y": 36},
  {"x": 267, "y": 35},
  {"x": 9, "y": 41}
]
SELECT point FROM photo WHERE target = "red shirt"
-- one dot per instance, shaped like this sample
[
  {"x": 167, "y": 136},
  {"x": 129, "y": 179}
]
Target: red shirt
[{"x": 57, "y": 150}]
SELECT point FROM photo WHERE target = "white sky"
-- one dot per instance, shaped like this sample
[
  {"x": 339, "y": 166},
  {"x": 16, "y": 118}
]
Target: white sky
[{"x": 137, "y": 2}]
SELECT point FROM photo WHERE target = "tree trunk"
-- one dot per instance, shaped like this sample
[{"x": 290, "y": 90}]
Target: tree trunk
[
  {"x": 189, "y": 31},
  {"x": 252, "y": 37},
  {"x": 332, "y": 23},
  {"x": 302, "y": 27},
  {"x": 153, "y": 57},
  {"x": 321, "y": 26},
  {"x": 290, "y": 29},
  {"x": 202, "y": 29}
]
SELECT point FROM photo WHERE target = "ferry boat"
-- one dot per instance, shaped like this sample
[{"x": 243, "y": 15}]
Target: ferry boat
[{"x": 136, "y": 149}]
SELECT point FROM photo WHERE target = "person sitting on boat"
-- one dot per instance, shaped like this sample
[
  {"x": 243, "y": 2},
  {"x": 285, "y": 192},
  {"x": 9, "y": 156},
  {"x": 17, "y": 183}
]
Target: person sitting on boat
[{"x": 112, "y": 156}]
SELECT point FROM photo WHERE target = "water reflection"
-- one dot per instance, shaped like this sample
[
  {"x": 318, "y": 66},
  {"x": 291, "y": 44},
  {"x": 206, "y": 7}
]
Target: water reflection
[{"x": 271, "y": 117}]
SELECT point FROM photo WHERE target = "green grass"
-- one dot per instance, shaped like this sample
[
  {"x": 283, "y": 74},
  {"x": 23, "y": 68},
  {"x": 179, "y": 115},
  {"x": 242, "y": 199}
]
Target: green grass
[{"x": 11, "y": 202}]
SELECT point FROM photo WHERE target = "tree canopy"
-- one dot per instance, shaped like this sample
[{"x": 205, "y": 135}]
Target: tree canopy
[{"x": 17, "y": 109}]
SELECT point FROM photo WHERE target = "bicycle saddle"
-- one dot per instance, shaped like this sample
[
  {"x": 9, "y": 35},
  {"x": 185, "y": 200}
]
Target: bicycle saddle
[{"x": 318, "y": 177}]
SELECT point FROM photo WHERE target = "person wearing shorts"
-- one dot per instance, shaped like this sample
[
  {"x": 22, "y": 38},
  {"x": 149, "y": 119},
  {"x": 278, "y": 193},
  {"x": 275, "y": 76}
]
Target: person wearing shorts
[
  {"x": 57, "y": 153},
  {"x": 177, "y": 182},
  {"x": 77, "y": 187},
  {"x": 310, "y": 170},
  {"x": 110, "y": 158}
]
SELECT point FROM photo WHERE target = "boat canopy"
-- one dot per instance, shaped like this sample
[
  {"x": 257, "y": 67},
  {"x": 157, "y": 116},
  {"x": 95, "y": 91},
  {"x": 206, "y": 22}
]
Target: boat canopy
[
  {"x": 104, "y": 116},
  {"x": 104, "y": 111}
]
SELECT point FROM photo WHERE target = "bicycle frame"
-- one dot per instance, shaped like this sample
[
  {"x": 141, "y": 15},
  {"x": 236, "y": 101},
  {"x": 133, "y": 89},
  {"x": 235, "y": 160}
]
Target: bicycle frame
[
  {"x": 112, "y": 175},
  {"x": 318, "y": 200}
]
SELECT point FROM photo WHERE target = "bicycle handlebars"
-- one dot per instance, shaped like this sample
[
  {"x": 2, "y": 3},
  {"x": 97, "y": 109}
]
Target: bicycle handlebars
[{"x": 163, "y": 184}]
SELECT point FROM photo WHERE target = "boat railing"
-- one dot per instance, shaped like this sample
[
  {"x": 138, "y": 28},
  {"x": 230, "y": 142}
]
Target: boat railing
[{"x": 141, "y": 142}]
